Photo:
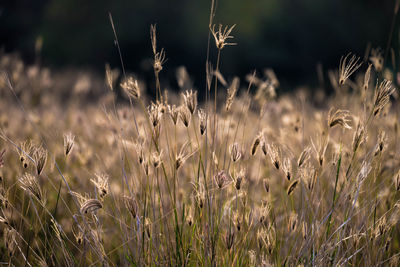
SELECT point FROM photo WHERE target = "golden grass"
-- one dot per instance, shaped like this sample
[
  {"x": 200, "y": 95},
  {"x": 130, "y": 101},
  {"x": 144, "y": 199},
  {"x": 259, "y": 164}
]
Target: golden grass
[{"x": 248, "y": 179}]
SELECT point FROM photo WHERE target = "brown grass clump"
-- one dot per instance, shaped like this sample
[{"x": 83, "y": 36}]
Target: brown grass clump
[{"x": 258, "y": 180}]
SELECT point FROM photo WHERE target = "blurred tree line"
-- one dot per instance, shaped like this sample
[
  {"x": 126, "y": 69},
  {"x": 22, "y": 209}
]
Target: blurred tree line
[{"x": 291, "y": 36}]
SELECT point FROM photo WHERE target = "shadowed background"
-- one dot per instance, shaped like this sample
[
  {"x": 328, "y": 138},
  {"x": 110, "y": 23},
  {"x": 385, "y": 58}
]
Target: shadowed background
[{"x": 289, "y": 36}]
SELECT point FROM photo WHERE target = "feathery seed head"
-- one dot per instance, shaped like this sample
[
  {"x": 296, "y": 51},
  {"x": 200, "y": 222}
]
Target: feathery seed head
[
  {"x": 203, "y": 121},
  {"x": 292, "y": 187},
  {"x": 222, "y": 35},
  {"x": 367, "y": 77},
  {"x": 111, "y": 76},
  {"x": 358, "y": 137},
  {"x": 131, "y": 205},
  {"x": 397, "y": 181},
  {"x": 40, "y": 157},
  {"x": 182, "y": 156},
  {"x": 274, "y": 154},
  {"x": 190, "y": 100},
  {"x": 140, "y": 152},
  {"x": 293, "y": 220},
  {"x": 347, "y": 67},
  {"x": 101, "y": 183},
  {"x": 10, "y": 240},
  {"x": 340, "y": 117},
  {"x": 320, "y": 149},
  {"x": 221, "y": 179},
  {"x": 308, "y": 176},
  {"x": 232, "y": 93},
  {"x": 25, "y": 151},
  {"x": 159, "y": 57},
  {"x": 235, "y": 152},
  {"x": 174, "y": 113},
  {"x": 156, "y": 159},
  {"x": 382, "y": 139},
  {"x": 131, "y": 87},
  {"x": 377, "y": 59},
  {"x": 287, "y": 168},
  {"x": 382, "y": 95},
  {"x": 90, "y": 205},
  {"x": 264, "y": 212},
  {"x": 69, "y": 140},
  {"x": 199, "y": 195},
  {"x": 30, "y": 184},
  {"x": 155, "y": 114},
  {"x": 2, "y": 157},
  {"x": 185, "y": 115},
  {"x": 255, "y": 144},
  {"x": 304, "y": 156},
  {"x": 239, "y": 178}
]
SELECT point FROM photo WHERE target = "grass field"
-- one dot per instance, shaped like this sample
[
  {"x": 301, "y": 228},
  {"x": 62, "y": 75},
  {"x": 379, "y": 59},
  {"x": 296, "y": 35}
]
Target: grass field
[{"x": 245, "y": 176}]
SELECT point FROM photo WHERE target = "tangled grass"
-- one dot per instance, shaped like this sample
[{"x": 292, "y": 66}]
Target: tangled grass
[{"x": 242, "y": 178}]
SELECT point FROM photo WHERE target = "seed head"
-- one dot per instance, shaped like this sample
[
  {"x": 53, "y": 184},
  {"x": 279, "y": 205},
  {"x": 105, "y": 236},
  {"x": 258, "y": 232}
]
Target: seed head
[
  {"x": 185, "y": 115},
  {"x": 221, "y": 179},
  {"x": 304, "y": 156},
  {"x": 203, "y": 121},
  {"x": 131, "y": 205},
  {"x": 265, "y": 212},
  {"x": 101, "y": 183},
  {"x": 200, "y": 195},
  {"x": 239, "y": 178},
  {"x": 190, "y": 100},
  {"x": 2, "y": 157},
  {"x": 90, "y": 205},
  {"x": 25, "y": 152},
  {"x": 382, "y": 95},
  {"x": 182, "y": 156},
  {"x": 293, "y": 220},
  {"x": 156, "y": 159},
  {"x": 222, "y": 35},
  {"x": 78, "y": 236},
  {"x": 308, "y": 175},
  {"x": 235, "y": 152},
  {"x": 231, "y": 93},
  {"x": 397, "y": 181},
  {"x": 111, "y": 76},
  {"x": 174, "y": 113},
  {"x": 266, "y": 239},
  {"x": 30, "y": 184},
  {"x": 155, "y": 113},
  {"x": 381, "y": 142},
  {"x": 287, "y": 168},
  {"x": 347, "y": 67},
  {"x": 366, "y": 77},
  {"x": 10, "y": 240},
  {"x": 131, "y": 87},
  {"x": 292, "y": 187},
  {"x": 377, "y": 59},
  {"x": 340, "y": 117},
  {"x": 255, "y": 145},
  {"x": 159, "y": 57},
  {"x": 40, "y": 158},
  {"x": 320, "y": 150},
  {"x": 274, "y": 154},
  {"x": 140, "y": 152},
  {"x": 69, "y": 139},
  {"x": 358, "y": 137}
]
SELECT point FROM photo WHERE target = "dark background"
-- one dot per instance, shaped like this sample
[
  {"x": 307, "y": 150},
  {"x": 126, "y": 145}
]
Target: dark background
[{"x": 290, "y": 36}]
